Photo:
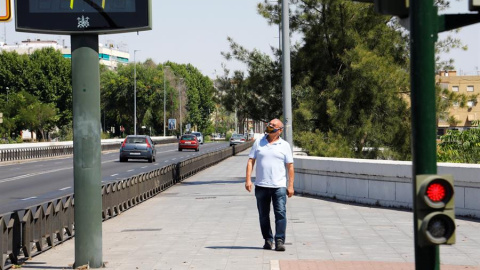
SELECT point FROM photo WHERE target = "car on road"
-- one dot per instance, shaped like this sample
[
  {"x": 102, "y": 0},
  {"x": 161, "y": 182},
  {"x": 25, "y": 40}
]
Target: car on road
[
  {"x": 137, "y": 147},
  {"x": 188, "y": 141},
  {"x": 237, "y": 139},
  {"x": 199, "y": 136}
]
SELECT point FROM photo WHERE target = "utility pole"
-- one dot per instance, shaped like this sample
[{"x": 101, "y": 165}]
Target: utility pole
[
  {"x": 87, "y": 150},
  {"x": 135, "y": 92},
  {"x": 286, "y": 75},
  {"x": 164, "y": 99}
]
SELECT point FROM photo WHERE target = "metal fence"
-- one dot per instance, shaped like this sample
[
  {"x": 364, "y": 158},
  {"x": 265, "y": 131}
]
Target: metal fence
[
  {"x": 25, "y": 233},
  {"x": 53, "y": 151}
]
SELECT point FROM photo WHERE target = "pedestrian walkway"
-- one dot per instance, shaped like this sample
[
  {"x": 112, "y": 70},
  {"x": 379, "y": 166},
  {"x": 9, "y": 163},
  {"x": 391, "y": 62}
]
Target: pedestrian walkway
[{"x": 209, "y": 222}]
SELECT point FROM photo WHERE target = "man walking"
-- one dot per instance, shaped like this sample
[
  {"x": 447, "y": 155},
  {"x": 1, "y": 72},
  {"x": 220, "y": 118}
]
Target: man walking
[{"x": 273, "y": 156}]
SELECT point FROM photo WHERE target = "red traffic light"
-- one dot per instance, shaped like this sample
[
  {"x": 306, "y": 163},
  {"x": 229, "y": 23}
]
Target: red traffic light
[{"x": 436, "y": 192}]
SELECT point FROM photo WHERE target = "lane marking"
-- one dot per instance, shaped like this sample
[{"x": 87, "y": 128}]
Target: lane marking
[
  {"x": 144, "y": 167},
  {"x": 130, "y": 170},
  {"x": 31, "y": 174},
  {"x": 29, "y": 198},
  {"x": 65, "y": 188},
  {"x": 114, "y": 174}
]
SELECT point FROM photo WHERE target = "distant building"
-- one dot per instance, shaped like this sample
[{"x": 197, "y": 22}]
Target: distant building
[
  {"x": 468, "y": 85},
  {"x": 109, "y": 55}
]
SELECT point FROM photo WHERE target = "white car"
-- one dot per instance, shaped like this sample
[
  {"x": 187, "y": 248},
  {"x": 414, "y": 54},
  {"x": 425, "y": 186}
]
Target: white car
[{"x": 199, "y": 136}]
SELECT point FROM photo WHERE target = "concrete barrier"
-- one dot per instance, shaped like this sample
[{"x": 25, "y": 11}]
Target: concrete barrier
[{"x": 381, "y": 182}]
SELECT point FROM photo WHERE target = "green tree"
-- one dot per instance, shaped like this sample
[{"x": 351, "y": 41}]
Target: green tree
[
  {"x": 117, "y": 89},
  {"x": 45, "y": 74},
  {"x": 460, "y": 146},
  {"x": 348, "y": 75}
]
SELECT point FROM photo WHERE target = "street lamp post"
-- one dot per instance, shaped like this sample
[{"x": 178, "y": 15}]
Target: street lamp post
[
  {"x": 180, "y": 107},
  {"x": 135, "y": 93},
  {"x": 164, "y": 100}
]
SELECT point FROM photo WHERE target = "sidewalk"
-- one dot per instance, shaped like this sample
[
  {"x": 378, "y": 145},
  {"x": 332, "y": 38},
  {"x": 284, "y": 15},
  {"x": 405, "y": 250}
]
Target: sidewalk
[{"x": 209, "y": 222}]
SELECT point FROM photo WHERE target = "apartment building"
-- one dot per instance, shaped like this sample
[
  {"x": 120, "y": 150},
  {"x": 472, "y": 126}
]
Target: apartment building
[
  {"x": 468, "y": 85},
  {"x": 109, "y": 54}
]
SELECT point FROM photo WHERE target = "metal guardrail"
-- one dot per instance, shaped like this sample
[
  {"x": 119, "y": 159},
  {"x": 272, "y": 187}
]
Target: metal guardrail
[
  {"x": 28, "y": 232},
  {"x": 53, "y": 151}
]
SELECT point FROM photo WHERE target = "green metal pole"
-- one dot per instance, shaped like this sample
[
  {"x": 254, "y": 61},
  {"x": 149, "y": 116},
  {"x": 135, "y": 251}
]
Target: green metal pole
[
  {"x": 423, "y": 34},
  {"x": 87, "y": 150}
]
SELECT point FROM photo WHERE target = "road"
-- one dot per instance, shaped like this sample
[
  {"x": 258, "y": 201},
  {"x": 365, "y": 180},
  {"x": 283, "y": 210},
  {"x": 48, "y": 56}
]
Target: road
[{"x": 29, "y": 183}]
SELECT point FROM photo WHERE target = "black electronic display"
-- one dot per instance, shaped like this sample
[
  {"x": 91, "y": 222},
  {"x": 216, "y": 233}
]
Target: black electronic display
[{"x": 82, "y": 16}]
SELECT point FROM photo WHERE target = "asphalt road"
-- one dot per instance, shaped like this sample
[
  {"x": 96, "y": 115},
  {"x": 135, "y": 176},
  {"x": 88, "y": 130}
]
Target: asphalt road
[{"x": 29, "y": 183}]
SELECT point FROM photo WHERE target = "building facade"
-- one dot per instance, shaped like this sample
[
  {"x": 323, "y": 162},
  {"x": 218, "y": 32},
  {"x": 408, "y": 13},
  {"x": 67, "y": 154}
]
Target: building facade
[{"x": 463, "y": 117}]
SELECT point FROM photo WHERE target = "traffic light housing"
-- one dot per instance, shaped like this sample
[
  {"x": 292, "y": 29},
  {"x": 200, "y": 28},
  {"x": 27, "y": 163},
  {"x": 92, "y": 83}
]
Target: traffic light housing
[
  {"x": 392, "y": 7},
  {"x": 474, "y": 5},
  {"x": 435, "y": 210}
]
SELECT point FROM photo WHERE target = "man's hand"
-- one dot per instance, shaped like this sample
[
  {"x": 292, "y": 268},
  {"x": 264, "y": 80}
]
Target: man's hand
[
  {"x": 290, "y": 192},
  {"x": 248, "y": 185}
]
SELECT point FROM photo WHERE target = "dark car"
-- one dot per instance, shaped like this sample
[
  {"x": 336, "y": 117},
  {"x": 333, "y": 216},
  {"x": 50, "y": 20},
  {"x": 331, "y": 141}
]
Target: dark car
[
  {"x": 188, "y": 141},
  {"x": 237, "y": 139},
  {"x": 137, "y": 147}
]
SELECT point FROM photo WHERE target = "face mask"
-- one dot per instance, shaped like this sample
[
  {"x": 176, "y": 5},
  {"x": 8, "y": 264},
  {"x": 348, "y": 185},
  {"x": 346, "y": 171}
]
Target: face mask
[{"x": 269, "y": 129}]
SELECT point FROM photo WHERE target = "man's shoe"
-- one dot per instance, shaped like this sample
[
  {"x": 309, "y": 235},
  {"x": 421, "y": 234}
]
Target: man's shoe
[
  {"x": 279, "y": 246},
  {"x": 268, "y": 244}
]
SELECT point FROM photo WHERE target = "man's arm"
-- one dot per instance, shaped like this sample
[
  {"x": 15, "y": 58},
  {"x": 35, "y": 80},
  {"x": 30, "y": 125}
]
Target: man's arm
[
  {"x": 291, "y": 176},
  {"x": 248, "y": 178}
]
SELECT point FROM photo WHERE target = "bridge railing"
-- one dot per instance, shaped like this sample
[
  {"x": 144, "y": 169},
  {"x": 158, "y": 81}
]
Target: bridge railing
[
  {"x": 30, "y": 151},
  {"x": 28, "y": 232}
]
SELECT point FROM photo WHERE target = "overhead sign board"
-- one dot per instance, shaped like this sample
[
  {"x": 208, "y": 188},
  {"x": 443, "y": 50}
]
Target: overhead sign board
[
  {"x": 82, "y": 16},
  {"x": 5, "y": 11}
]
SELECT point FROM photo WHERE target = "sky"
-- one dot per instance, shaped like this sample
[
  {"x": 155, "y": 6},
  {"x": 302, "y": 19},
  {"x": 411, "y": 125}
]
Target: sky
[
  {"x": 186, "y": 31},
  {"x": 195, "y": 32},
  {"x": 466, "y": 62}
]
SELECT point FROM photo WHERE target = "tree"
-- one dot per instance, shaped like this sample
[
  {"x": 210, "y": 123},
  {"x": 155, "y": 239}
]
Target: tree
[
  {"x": 195, "y": 89},
  {"x": 348, "y": 76},
  {"x": 46, "y": 75},
  {"x": 34, "y": 115},
  {"x": 460, "y": 146}
]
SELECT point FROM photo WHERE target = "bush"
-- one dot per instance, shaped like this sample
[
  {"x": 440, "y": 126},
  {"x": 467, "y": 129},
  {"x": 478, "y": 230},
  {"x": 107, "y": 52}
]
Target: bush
[
  {"x": 323, "y": 145},
  {"x": 460, "y": 146}
]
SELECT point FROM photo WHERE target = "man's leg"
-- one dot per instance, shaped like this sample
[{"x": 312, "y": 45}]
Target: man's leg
[
  {"x": 279, "y": 199},
  {"x": 263, "y": 205}
]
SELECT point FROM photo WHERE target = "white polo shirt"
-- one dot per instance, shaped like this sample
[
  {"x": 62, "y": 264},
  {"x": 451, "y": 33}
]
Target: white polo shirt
[{"x": 270, "y": 160}]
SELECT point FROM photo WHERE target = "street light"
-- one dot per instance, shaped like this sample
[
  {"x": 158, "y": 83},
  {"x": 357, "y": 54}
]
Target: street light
[
  {"x": 7, "y": 93},
  {"x": 164, "y": 99},
  {"x": 180, "y": 107},
  {"x": 135, "y": 93}
]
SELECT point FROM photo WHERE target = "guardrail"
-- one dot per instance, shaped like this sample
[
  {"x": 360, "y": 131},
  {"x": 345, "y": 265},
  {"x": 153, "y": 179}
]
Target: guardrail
[
  {"x": 31, "y": 152},
  {"x": 28, "y": 232}
]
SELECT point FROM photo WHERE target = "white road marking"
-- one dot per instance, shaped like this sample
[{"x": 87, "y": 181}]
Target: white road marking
[
  {"x": 130, "y": 170},
  {"x": 29, "y": 198},
  {"x": 114, "y": 174},
  {"x": 31, "y": 174},
  {"x": 65, "y": 188},
  {"x": 144, "y": 167}
]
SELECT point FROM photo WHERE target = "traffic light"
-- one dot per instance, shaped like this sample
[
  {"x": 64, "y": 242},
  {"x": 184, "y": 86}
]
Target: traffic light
[
  {"x": 392, "y": 7},
  {"x": 435, "y": 210}
]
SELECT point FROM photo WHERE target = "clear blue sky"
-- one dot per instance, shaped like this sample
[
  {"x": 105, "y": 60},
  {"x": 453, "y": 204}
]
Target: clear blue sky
[
  {"x": 195, "y": 32},
  {"x": 188, "y": 31}
]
